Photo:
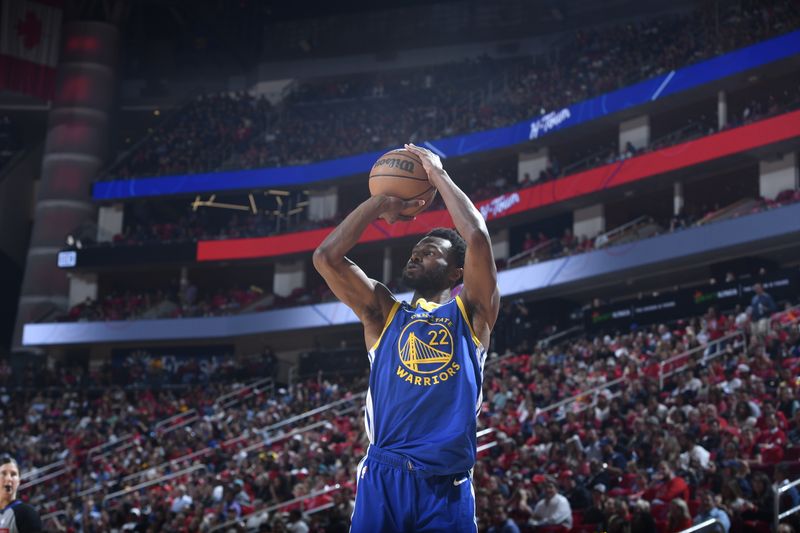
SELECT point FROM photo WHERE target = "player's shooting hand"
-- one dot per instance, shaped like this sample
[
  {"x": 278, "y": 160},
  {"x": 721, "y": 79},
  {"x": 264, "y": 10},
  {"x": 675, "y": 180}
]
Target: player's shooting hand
[
  {"x": 430, "y": 161},
  {"x": 394, "y": 206}
]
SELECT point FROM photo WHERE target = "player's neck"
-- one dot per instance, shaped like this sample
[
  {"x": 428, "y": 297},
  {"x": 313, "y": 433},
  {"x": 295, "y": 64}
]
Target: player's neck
[
  {"x": 5, "y": 500},
  {"x": 438, "y": 297}
]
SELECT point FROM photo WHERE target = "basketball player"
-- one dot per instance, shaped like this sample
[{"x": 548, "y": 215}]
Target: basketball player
[
  {"x": 426, "y": 359},
  {"x": 15, "y": 516}
]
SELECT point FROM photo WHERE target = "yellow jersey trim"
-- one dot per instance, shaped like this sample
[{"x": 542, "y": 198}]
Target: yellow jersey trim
[
  {"x": 389, "y": 319},
  {"x": 426, "y": 305},
  {"x": 468, "y": 321}
]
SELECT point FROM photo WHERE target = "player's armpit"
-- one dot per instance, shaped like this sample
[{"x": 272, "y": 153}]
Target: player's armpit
[{"x": 370, "y": 300}]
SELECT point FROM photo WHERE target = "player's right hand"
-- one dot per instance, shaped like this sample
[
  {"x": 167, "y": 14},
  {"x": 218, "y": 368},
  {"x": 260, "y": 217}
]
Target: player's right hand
[{"x": 394, "y": 206}]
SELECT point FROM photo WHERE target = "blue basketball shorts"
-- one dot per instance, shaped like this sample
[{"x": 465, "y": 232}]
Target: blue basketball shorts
[{"x": 395, "y": 495}]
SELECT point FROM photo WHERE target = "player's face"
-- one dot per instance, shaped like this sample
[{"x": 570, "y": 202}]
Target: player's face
[
  {"x": 9, "y": 473},
  {"x": 428, "y": 267}
]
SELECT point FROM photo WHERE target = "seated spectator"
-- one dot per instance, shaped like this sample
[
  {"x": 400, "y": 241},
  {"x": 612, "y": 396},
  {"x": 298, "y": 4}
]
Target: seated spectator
[
  {"x": 596, "y": 512},
  {"x": 667, "y": 486},
  {"x": 760, "y": 507},
  {"x": 642, "y": 520},
  {"x": 553, "y": 509},
  {"x": 619, "y": 521},
  {"x": 577, "y": 495},
  {"x": 678, "y": 517},
  {"x": 708, "y": 510},
  {"x": 502, "y": 523}
]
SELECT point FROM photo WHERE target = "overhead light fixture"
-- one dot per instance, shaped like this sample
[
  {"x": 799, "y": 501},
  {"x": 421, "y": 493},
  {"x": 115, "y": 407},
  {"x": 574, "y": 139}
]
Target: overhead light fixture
[
  {"x": 275, "y": 192},
  {"x": 252, "y": 203}
]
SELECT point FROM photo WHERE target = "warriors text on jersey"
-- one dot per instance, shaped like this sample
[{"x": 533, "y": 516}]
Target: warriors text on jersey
[
  {"x": 425, "y": 386},
  {"x": 19, "y": 517}
]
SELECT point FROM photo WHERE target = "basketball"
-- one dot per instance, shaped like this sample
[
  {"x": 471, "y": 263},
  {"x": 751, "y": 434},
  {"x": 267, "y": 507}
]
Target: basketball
[{"x": 400, "y": 173}]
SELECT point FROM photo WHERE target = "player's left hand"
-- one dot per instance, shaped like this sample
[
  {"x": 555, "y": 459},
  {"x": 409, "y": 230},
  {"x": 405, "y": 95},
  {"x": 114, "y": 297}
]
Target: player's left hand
[{"x": 430, "y": 162}]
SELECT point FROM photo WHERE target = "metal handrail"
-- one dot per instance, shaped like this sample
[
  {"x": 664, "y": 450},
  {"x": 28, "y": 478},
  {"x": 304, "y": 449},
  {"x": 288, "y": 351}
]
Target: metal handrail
[
  {"x": 42, "y": 479},
  {"x": 702, "y": 525},
  {"x": 54, "y": 514},
  {"x": 531, "y": 252},
  {"x": 208, "y": 449},
  {"x": 159, "y": 424},
  {"x": 777, "y": 514},
  {"x": 688, "y": 353},
  {"x": 129, "y": 440},
  {"x": 604, "y": 238},
  {"x": 544, "y": 343},
  {"x": 594, "y": 391},
  {"x": 146, "y": 484},
  {"x": 35, "y": 472},
  {"x": 307, "y": 414},
  {"x": 276, "y": 506}
]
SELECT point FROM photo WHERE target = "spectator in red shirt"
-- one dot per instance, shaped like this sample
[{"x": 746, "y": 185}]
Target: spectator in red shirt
[
  {"x": 771, "y": 441},
  {"x": 668, "y": 486}
]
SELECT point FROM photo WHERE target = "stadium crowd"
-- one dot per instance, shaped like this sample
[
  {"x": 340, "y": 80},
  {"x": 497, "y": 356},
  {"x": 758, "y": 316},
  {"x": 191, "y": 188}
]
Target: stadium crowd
[
  {"x": 356, "y": 116},
  {"x": 186, "y": 300},
  {"x": 632, "y": 455},
  {"x": 173, "y": 223}
]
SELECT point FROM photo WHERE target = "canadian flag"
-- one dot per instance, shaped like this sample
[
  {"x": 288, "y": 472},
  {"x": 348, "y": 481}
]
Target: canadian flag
[{"x": 30, "y": 36}]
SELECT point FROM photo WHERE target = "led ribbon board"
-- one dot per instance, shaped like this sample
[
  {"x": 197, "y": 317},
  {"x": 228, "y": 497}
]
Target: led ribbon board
[{"x": 667, "y": 84}]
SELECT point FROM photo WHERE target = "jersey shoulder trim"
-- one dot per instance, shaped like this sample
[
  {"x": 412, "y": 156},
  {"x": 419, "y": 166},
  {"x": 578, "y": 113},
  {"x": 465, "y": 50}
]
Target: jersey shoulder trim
[
  {"x": 463, "y": 310},
  {"x": 389, "y": 319}
]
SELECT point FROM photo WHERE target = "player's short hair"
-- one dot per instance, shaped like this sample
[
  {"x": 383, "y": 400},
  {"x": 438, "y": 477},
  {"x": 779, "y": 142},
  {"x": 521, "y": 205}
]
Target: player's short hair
[
  {"x": 458, "y": 246},
  {"x": 6, "y": 459}
]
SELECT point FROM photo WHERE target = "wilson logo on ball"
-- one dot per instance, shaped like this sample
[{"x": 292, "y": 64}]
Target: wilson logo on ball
[{"x": 402, "y": 164}]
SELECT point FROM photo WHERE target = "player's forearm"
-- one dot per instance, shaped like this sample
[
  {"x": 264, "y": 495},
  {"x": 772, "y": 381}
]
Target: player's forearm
[
  {"x": 342, "y": 239},
  {"x": 465, "y": 215}
]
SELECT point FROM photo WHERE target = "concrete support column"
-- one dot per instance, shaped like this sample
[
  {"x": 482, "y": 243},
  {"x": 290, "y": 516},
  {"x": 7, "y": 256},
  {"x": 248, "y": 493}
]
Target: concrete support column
[
  {"x": 387, "y": 265},
  {"x": 109, "y": 222},
  {"x": 635, "y": 131},
  {"x": 589, "y": 221},
  {"x": 677, "y": 198},
  {"x": 530, "y": 164},
  {"x": 500, "y": 244},
  {"x": 778, "y": 175},
  {"x": 722, "y": 110},
  {"x": 323, "y": 204},
  {"x": 81, "y": 287},
  {"x": 289, "y": 275},
  {"x": 76, "y": 146}
]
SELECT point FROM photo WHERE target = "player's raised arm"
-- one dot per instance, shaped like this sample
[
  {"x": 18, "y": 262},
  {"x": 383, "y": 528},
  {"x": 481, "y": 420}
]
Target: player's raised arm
[
  {"x": 370, "y": 300},
  {"x": 480, "y": 292}
]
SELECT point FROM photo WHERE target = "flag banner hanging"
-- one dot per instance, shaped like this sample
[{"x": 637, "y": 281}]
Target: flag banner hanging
[{"x": 30, "y": 36}]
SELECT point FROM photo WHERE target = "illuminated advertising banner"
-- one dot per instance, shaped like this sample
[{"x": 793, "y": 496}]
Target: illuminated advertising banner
[
  {"x": 684, "y": 155},
  {"x": 667, "y": 84},
  {"x": 689, "y": 302}
]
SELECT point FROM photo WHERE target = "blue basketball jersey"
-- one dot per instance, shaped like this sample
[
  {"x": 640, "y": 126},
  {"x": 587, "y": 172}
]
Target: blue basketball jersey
[{"x": 425, "y": 386}]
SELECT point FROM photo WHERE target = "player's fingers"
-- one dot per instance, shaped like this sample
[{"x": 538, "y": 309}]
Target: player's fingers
[{"x": 416, "y": 149}]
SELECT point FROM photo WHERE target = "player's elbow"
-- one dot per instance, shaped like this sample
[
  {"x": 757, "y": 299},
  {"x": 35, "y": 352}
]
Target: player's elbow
[{"x": 322, "y": 259}]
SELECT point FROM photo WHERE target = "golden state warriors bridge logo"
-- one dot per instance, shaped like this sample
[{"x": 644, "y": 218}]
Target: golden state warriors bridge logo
[{"x": 426, "y": 352}]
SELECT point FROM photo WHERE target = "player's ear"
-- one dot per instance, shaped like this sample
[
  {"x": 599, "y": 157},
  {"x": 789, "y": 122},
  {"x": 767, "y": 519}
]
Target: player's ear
[{"x": 455, "y": 275}]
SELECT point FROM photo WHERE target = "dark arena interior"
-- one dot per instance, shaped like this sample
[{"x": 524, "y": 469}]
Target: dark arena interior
[{"x": 176, "y": 357}]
